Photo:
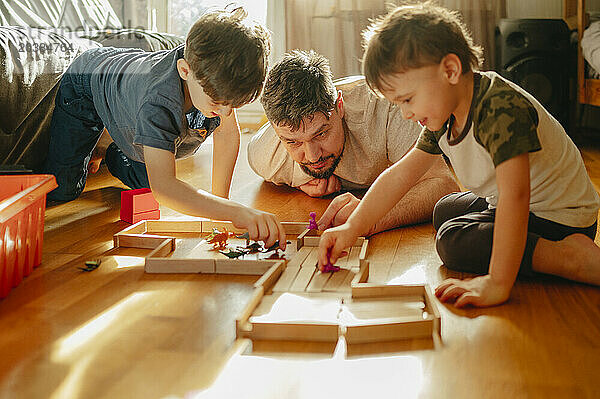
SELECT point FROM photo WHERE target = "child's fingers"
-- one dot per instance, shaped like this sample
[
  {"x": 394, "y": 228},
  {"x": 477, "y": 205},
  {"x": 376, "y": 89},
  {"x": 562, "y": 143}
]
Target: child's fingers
[
  {"x": 253, "y": 231},
  {"x": 468, "y": 298},
  {"x": 325, "y": 244},
  {"x": 452, "y": 293},
  {"x": 282, "y": 237}
]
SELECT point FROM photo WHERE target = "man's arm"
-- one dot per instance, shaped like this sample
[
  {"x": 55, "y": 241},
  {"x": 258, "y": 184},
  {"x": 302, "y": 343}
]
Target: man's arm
[
  {"x": 226, "y": 145},
  {"x": 269, "y": 159},
  {"x": 415, "y": 207}
]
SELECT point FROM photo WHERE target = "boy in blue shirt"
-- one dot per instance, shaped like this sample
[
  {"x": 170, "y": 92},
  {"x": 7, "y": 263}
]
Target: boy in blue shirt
[
  {"x": 531, "y": 207},
  {"x": 160, "y": 106}
]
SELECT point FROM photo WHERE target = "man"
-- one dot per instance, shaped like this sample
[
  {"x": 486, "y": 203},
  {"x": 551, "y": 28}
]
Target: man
[{"x": 321, "y": 141}]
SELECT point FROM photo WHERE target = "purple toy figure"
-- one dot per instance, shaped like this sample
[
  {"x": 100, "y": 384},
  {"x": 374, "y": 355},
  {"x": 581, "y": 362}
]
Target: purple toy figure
[
  {"x": 312, "y": 223},
  {"x": 329, "y": 268}
]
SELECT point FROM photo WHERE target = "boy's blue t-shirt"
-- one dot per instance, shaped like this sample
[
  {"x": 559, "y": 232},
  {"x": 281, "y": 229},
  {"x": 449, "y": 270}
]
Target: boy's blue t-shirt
[{"x": 139, "y": 96}]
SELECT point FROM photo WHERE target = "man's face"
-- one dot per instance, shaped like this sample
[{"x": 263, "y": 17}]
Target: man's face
[{"x": 317, "y": 145}]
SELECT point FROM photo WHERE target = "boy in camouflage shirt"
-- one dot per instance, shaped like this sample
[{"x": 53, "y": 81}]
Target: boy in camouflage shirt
[{"x": 531, "y": 207}]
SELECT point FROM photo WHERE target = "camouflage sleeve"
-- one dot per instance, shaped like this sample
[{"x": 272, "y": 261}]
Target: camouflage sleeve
[
  {"x": 428, "y": 141},
  {"x": 507, "y": 125}
]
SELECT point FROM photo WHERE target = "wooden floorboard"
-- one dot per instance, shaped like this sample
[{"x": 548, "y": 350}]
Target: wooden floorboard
[{"x": 118, "y": 332}]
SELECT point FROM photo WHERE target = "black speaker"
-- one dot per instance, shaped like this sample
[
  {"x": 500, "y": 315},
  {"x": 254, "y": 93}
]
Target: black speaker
[{"x": 534, "y": 53}]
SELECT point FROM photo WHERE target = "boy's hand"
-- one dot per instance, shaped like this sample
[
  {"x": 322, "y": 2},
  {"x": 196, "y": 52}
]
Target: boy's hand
[
  {"x": 480, "y": 291},
  {"x": 322, "y": 187},
  {"x": 261, "y": 226},
  {"x": 333, "y": 243}
]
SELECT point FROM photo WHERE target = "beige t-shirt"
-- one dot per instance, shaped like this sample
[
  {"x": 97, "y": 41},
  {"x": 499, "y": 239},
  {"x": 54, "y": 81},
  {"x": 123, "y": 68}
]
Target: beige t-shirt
[{"x": 376, "y": 137}]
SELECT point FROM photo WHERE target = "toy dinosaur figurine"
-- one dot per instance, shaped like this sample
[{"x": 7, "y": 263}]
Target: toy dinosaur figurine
[{"x": 218, "y": 239}]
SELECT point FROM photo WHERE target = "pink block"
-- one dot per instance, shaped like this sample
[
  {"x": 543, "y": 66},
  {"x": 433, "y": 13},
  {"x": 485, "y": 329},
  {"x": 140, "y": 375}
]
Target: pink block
[{"x": 135, "y": 202}]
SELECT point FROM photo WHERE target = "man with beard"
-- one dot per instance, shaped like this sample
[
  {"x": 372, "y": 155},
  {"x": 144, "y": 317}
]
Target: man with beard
[{"x": 322, "y": 142}]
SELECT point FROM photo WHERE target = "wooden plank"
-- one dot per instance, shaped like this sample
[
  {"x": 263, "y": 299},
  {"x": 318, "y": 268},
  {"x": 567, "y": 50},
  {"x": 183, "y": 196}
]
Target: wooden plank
[
  {"x": 241, "y": 323},
  {"x": 300, "y": 239},
  {"x": 360, "y": 334},
  {"x": 268, "y": 279},
  {"x": 163, "y": 249},
  {"x": 362, "y": 276},
  {"x": 242, "y": 266},
  {"x": 346, "y": 285},
  {"x": 138, "y": 228},
  {"x": 148, "y": 241},
  {"x": 287, "y": 278},
  {"x": 302, "y": 279},
  {"x": 174, "y": 226},
  {"x": 431, "y": 308},
  {"x": 299, "y": 257},
  {"x": 372, "y": 290},
  {"x": 336, "y": 280},
  {"x": 311, "y": 260},
  {"x": 353, "y": 257},
  {"x": 313, "y": 241},
  {"x": 209, "y": 225},
  {"x": 294, "y": 228},
  {"x": 318, "y": 281},
  {"x": 294, "y": 332},
  {"x": 169, "y": 265}
]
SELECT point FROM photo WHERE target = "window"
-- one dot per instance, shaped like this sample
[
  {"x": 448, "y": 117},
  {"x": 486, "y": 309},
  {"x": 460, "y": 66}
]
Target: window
[{"x": 183, "y": 13}]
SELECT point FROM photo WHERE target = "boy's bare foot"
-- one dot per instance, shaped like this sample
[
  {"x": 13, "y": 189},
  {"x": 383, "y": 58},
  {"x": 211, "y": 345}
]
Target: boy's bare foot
[
  {"x": 575, "y": 257},
  {"x": 99, "y": 152}
]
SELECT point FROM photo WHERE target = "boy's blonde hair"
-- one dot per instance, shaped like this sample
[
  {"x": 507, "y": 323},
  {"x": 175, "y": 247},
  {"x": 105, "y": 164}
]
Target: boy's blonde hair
[
  {"x": 228, "y": 55},
  {"x": 412, "y": 36}
]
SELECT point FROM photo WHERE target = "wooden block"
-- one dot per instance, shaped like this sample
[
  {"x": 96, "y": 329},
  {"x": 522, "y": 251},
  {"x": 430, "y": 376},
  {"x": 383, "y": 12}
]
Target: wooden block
[
  {"x": 294, "y": 332},
  {"x": 362, "y": 276},
  {"x": 431, "y": 308},
  {"x": 336, "y": 280},
  {"x": 360, "y": 334},
  {"x": 163, "y": 249},
  {"x": 313, "y": 241},
  {"x": 318, "y": 281},
  {"x": 141, "y": 240},
  {"x": 300, "y": 239},
  {"x": 136, "y": 201},
  {"x": 294, "y": 228},
  {"x": 287, "y": 278},
  {"x": 169, "y": 265},
  {"x": 353, "y": 257},
  {"x": 299, "y": 257},
  {"x": 346, "y": 285},
  {"x": 372, "y": 290},
  {"x": 149, "y": 215},
  {"x": 241, "y": 323},
  {"x": 311, "y": 260},
  {"x": 174, "y": 226},
  {"x": 242, "y": 266},
  {"x": 268, "y": 279},
  {"x": 363, "y": 250},
  {"x": 302, "y": 280},
  {"x": 209, "y": 225},
  {"x": 137, "y": 228}
]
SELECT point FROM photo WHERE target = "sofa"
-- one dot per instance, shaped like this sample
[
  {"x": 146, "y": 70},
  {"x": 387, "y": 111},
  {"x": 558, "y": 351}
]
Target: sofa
[{"x": 32, "y": 61}]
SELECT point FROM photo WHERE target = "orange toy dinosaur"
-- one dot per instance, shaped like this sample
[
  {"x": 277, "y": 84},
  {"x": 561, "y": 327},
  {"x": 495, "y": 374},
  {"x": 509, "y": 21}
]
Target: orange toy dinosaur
[{"x": 219, "y": 240}]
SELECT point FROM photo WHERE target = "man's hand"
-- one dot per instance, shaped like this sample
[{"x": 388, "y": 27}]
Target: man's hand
[
  {"x": 322, "y": 187},
  {"x": 480, "y": 291},
  {"x": 338, "y": 211}
]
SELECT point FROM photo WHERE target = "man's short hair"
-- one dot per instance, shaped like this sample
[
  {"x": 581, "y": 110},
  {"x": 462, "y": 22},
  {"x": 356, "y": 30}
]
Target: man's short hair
[
  {"x": 228, "y": 55},
  {"x": 413, "y": 36},
  {"x": 298, "y": 86}
]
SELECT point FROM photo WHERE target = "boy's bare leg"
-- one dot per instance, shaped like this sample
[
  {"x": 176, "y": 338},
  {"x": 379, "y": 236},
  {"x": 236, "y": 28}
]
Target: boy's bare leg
[
  {"x": 99, "y": 151},
  {"x": 575, "y": 257}
]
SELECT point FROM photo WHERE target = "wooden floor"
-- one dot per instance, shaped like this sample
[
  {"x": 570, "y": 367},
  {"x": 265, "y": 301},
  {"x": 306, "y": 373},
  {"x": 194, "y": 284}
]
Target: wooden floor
[{"x": 117, "y": 332}]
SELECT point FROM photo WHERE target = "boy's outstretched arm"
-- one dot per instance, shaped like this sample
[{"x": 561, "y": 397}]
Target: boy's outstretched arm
[
  {"x": 226, "y": 146},
  {"x": 510, "y": 235},
  {"x": 414, "y": 207},
  {"x": 180, "y": 196},
  {"x": 383, "y": 195}
]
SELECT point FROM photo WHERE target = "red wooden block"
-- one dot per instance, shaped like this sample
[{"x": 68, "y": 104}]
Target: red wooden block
[
  {"x": 150, "y": 215},
  {"x": 137, "y": 202}
]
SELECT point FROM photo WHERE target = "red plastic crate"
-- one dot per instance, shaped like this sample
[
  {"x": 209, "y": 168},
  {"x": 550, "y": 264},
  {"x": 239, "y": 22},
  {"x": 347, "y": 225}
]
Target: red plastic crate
[{"x": 22, "y": 207}]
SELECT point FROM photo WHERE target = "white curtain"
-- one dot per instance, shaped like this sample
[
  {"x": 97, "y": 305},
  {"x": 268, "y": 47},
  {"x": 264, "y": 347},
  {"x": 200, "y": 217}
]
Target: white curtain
[{"x": 333, "y": 27}]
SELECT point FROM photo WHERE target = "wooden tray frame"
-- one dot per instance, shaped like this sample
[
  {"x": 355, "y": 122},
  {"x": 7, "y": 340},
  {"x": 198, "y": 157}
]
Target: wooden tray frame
[{"x": 140, "y": 235}]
